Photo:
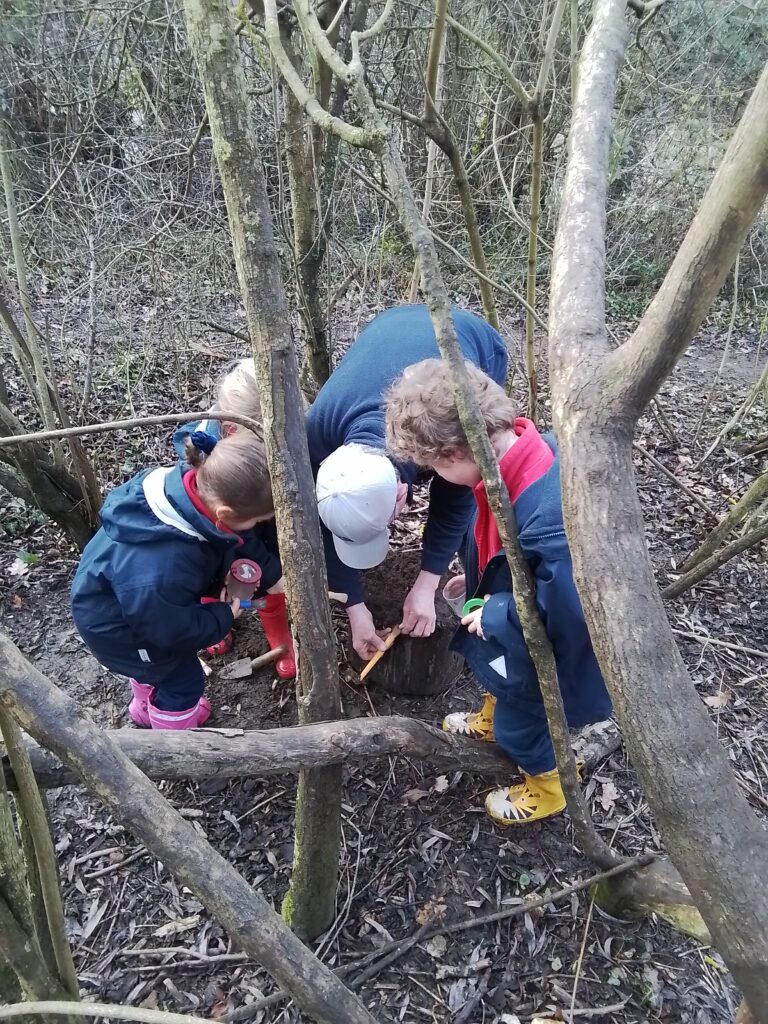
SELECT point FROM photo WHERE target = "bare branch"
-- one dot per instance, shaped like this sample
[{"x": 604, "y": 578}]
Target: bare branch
[
  {"x": 637, "y": 370},
  {"x": 509, "y": 77}
]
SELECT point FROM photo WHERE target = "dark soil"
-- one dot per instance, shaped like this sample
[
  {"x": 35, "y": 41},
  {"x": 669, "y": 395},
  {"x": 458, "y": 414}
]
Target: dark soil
[
  {"x": 417, "y": 845},
  {"x": 414, "y": 666}
]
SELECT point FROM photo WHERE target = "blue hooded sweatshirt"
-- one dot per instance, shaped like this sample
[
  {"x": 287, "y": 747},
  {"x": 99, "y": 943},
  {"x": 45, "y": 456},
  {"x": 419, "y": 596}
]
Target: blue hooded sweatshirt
[
  {"x": 501, "y": 661},
  {"x": 136, "y": 593},
  {"x": 349, "y": 409}
]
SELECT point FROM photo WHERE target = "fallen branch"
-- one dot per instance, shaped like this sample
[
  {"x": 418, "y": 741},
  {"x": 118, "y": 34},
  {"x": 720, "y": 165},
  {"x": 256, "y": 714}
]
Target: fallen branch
[
  {"x": 708, "y": 566},
  {"x": 747, "y": 503},
  {"x": 54, "y": 719},
  {"x": 209, "y": 753}
]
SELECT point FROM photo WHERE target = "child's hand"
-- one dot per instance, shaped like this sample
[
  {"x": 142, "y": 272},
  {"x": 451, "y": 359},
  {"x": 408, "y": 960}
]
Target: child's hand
[
  {"x": 472, "y": 621},
  {"x": 233, "y": 602}
]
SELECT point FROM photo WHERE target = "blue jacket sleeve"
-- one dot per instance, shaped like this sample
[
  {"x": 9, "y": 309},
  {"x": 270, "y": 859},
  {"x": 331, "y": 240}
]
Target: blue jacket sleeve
[
  {"x": 449, "y": 515},
  {"x": 183, "y": 627},
  {"x": 341, "y": 578}
]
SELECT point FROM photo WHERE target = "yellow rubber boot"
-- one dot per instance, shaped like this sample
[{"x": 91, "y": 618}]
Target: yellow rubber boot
[
  {"x": 537, "y": 797},
  {"x": 478, "y": 725}
]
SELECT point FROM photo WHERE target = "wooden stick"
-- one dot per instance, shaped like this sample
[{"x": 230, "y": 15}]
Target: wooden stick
[{"x": 380, "y": 654}]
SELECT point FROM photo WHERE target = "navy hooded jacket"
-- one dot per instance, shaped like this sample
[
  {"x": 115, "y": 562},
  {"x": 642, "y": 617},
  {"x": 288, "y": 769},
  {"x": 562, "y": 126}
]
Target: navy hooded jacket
[
  {"x": 136, "y": 593},
  {"x": 349, "y": 409},
  {"x": 501, "y": 661}
]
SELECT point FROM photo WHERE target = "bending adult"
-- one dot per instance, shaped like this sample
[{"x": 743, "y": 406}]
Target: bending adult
[{"x": 361, "y": 489}]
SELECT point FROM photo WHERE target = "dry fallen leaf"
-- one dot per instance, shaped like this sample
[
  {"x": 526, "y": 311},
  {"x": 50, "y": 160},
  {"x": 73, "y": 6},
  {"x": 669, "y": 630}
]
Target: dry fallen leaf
[
  {"x": 433, "y": 910},
  {"x": 437, "y": 946},
  {"x": 718, "y": 700},
  {"x": 412, "y": 796},
  {"x": 181, "y": 924},
  {"x": 608, "y": 796}
]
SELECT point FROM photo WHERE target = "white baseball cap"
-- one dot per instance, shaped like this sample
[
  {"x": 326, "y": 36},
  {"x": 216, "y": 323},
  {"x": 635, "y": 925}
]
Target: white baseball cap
[{"x": 356, "y": 495}]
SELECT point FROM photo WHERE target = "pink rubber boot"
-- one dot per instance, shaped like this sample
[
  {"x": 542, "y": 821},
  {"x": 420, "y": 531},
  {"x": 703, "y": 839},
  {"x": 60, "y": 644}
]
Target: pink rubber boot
[
  {"x": 137, "y": 709},
  {"x": 192, "y": 718}
]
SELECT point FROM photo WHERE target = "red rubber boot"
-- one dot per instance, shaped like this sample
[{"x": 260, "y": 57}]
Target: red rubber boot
[{"x": 274, "y": 619}]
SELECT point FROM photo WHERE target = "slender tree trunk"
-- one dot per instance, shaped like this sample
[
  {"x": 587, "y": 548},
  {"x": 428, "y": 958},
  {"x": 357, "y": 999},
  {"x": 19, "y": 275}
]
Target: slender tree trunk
[
  {"x": 311, "y": 901},
  {"x": 533, "y": 249},
  {"x": 713, "y": 837}
]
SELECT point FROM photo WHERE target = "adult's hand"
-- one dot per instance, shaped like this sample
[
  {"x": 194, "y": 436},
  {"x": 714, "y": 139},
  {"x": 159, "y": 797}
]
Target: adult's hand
[
  {"x": 365, "y": 640},
  {"x": 419, "y": 614}
]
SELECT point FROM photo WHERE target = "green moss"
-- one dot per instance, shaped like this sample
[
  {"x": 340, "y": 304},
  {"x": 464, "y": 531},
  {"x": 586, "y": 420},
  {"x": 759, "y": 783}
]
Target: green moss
[{"x": 287, "y": 908}]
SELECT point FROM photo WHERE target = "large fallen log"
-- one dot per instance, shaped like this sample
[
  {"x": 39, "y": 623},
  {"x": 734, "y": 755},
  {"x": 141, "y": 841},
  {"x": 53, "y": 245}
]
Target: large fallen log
[
  {"x": 231, "y": 753},
  {"x": 55, "y": 720}
]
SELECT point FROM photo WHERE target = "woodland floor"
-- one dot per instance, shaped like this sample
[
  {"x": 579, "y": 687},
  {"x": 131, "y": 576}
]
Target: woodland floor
[{"x": 416, "y": 843}]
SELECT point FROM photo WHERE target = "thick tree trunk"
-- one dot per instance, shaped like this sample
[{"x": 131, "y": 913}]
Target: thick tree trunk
[
  {"x": 56, "y": 721},
  {"x": 713, "y": 837},
  {"x": 318, "y": 810}
]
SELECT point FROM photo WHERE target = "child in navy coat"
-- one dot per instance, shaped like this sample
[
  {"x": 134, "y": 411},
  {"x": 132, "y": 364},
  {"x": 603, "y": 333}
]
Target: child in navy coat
[
  {"x": 237, "y": 392},
  {"x": 167, "y": 540},
  {"x": 423, "y": 425}
]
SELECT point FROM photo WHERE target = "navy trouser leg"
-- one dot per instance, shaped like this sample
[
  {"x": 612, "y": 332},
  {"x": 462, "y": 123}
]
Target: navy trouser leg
[
  {"x": 521, "y": 730},
  {"x": 179, "y": 689}
]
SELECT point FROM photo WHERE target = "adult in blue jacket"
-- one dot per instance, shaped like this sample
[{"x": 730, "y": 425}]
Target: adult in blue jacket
[{"x": 360, "y": 488}]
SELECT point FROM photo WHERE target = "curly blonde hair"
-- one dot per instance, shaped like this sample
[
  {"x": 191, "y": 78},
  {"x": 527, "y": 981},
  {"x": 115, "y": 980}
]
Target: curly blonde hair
[{"x": 422, "y": 420}]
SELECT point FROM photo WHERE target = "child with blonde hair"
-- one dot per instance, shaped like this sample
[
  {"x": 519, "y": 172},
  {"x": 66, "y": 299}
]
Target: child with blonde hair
[
  {"x": 238, "y": 392},
  {"x": 423, "y": 425},
  {"x": 167, "y": 540}
]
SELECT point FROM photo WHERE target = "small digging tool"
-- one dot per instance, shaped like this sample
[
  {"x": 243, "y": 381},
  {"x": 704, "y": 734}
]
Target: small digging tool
[{"x": 242, "y": 667}]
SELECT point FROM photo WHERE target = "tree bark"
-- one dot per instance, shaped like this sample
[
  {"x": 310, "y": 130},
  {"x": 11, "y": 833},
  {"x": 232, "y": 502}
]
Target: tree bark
[
  {"x": 714, "y": 839},
  {"x": 307, "y": 228},
  {"x": 56, "y": 721},
  {"x": 312, "y": 897}
]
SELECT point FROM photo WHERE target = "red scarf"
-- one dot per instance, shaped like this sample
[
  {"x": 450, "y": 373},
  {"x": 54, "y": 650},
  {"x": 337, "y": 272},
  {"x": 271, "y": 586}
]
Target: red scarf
[{"x": 528, "y": 459}]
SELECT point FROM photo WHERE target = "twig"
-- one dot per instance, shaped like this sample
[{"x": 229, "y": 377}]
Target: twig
[
  {"x": 140, "y": 421},
  {"x": 401, "y": 946},
  {"x": 111, "y": 1011},
  {"x": 699, "y": 638}
]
